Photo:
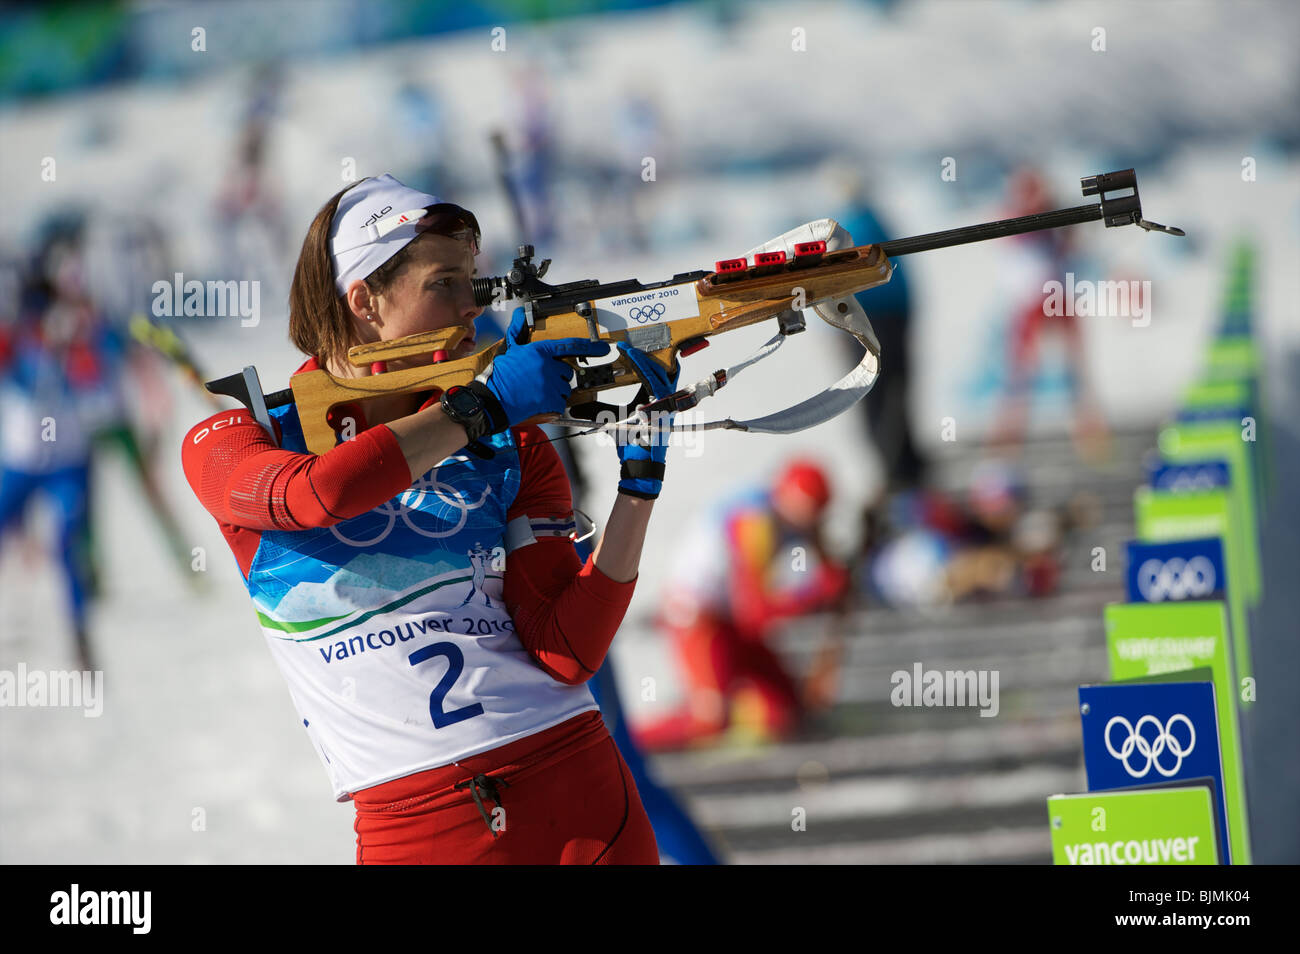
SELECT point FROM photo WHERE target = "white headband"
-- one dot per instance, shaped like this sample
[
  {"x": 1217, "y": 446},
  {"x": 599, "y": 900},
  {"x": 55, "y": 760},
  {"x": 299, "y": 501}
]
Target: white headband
[{"x": 375, "y": 220}]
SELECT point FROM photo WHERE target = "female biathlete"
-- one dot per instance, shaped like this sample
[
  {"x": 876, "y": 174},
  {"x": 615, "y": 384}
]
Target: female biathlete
[{"x": 462, "y": 730}]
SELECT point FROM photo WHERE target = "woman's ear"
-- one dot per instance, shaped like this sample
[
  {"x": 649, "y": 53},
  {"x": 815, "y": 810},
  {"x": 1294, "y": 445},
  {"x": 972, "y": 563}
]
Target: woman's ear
[
  {"x": 362, "y": 307},
  {"x": 360, "y": 302}
]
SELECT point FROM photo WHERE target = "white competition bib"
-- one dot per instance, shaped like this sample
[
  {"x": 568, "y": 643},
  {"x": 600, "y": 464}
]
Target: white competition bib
[{"x": 392, "y": 632}]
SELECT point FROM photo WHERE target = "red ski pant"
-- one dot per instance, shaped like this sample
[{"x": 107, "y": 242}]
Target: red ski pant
[
  {"x": 1027, "y": 329},
  {"x": 561, "y": 796},
  {"x": 717, "y": 660}
]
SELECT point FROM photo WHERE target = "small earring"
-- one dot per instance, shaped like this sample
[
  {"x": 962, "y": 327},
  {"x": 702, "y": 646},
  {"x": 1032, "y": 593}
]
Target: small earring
[{"x": 370, "y": 317}]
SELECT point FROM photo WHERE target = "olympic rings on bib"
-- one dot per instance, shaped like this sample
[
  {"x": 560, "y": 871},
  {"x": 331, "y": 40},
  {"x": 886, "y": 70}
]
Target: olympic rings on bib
[{"x": 411, "y": 501}]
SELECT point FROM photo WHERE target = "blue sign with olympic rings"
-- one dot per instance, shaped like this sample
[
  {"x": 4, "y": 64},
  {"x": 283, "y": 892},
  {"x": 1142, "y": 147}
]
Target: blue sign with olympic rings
[{"x": 1149, "y": 733}]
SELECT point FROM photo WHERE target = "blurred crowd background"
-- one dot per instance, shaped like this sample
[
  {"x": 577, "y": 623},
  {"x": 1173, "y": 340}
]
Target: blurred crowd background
[{"x": 960, "y": 505}]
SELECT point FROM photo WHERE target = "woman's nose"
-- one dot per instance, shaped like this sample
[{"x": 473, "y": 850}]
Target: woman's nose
[{"x": 469, "y": 308}]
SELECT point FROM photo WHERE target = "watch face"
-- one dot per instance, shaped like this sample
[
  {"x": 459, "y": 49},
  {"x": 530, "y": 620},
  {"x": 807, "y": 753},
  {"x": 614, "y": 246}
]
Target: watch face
[{"x": 464, "y": 402}]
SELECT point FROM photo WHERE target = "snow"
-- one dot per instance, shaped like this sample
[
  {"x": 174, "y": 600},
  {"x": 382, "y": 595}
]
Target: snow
[{"x": 199, "y": 756}]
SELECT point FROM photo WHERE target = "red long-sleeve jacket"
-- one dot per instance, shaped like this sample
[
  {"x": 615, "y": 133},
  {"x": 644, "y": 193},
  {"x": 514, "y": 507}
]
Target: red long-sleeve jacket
[{"x": 566, "y": 613}]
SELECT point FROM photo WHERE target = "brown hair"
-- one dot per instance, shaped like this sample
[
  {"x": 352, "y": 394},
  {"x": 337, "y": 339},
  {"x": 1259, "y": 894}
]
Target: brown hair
[{"x": 320, "y": 322}]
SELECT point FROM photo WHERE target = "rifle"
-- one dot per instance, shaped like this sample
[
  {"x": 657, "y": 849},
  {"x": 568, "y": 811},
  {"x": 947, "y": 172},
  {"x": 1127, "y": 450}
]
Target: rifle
[{"x": 811, "y": 267}]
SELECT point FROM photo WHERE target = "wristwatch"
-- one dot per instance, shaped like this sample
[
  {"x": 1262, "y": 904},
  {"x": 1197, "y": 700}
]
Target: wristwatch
[{"x": 466, "y": 407}]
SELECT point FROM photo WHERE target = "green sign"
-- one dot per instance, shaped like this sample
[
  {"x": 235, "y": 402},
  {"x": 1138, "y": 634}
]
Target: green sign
[
  {"x": 1156, "y": 826},
  {"x": 1143, "y": 639},
  {"x": 1199, "y": 674},
  {"x": 1223, "y": 440},
  {"x": 1163, "y": 516},
  {"x": 1232, "y": 357},
  {"x": 1220, "y": 394},
  {"x": 1238, "y": 298}
]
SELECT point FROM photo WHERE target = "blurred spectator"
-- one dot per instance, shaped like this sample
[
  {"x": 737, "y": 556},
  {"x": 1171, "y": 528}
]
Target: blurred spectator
[
  {"x": 421, "y": 122},
  {"x": 537, "y": 159},
  {"x": 639, "y": 135},
  {"x": 122, "y": 255},
  {"x": 889, "y": 307},
  {"x": 66, "y": 366},
  {"x": 758, "y": 559},
  {"x": 52, "y": 385},
  {"x": 1036, "y": 258},
  {"x": 929, "y": 549},
  {"x": 250, "y": 223}
]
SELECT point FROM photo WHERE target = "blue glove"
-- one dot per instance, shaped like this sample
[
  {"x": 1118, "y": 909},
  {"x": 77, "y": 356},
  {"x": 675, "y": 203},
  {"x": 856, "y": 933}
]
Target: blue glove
[
  {"x": 518, "y": 325},
  {"x": 642, "y": 468},
  {"x": 530, "y": 379}
]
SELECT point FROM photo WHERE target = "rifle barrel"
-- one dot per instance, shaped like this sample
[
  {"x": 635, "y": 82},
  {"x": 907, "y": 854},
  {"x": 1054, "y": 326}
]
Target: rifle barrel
[{"x": 991, "y": 230}]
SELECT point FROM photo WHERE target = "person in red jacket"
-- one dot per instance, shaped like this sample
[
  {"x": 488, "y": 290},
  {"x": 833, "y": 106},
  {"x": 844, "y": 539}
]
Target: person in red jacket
[
  {"x": 424, "y": 602},
  {"x": 758, "y": 560},
  {"x": 1034, "y": 260}
]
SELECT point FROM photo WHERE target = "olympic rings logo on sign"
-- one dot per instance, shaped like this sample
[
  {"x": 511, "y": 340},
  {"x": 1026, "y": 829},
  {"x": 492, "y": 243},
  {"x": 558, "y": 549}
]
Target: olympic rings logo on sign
[
  {"x": 1176, "y": 579},
  {"x": 648, "y": 313},
  {"x": 1151, "y": 750},
  {"x": 1189, "y": 480},
  {"x": 410, "y": 501}
]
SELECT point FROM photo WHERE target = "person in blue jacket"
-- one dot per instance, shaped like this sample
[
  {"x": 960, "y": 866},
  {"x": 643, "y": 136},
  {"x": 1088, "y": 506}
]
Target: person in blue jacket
[{"x": 889, "y": 307}]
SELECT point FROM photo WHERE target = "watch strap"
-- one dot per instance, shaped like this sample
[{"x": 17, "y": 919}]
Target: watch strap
[
  {"x": 475, "y": 424},
  {"x": 498, "y": 421}
]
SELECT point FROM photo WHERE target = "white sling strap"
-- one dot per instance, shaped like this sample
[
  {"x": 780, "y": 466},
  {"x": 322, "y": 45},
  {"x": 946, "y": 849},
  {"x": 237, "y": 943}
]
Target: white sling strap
[{"x": 844, "y": 313}]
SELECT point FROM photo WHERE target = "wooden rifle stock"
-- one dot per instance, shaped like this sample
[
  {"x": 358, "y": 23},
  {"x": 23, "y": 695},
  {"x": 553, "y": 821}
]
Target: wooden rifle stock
[{"x": 720, "y": 306}]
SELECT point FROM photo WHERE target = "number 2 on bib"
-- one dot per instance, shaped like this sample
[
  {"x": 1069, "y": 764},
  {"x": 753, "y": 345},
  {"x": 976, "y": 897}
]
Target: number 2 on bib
[{"x": 455, "y": 665}]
